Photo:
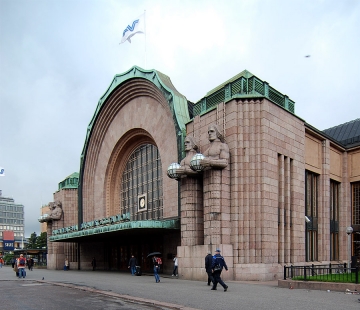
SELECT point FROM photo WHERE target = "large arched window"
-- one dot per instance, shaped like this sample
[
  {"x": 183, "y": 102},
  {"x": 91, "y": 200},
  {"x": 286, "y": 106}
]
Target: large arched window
[{"x": 142, "y": 177}]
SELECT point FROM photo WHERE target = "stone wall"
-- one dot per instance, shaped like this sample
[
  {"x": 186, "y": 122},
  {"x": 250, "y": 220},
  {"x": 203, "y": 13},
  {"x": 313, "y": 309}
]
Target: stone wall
[
  {"x": 266, "y": 146},
  {"x": 58, "y": 251}
]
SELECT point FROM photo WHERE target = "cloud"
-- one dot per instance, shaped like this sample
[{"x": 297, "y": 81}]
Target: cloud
[{"x": 57, "y": 58}]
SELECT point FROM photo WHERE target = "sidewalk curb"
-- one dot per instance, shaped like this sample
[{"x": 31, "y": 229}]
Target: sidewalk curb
[
  {"x": 320, "y": 286},
  {"x": 125, "y": 297}
]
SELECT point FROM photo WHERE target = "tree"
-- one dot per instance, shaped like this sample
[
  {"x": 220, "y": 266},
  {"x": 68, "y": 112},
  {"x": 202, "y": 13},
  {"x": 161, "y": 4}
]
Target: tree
[
  {"x": 37, "y": 242},
  {"x": 41, "y": 241},
  {"x": 31, "y": 244}
]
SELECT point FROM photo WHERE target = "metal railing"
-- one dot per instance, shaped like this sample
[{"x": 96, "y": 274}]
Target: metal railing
[{"x": 323, "y": 273}]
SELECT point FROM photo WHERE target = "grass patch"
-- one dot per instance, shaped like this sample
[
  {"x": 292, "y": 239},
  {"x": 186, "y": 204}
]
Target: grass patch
[{"x": 339, "y": 278}]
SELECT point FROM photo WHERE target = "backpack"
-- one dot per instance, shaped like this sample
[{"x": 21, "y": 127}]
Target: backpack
[
  {"x": 159, "y": 261},
  {"x": 22, "y": 262}
]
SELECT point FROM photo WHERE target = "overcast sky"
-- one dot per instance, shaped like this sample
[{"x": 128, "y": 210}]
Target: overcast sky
[{"x": 57, "y": 58}]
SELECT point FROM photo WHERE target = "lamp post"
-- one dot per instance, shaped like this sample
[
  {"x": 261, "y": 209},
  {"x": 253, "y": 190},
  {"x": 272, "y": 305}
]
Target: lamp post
[{"x": 349, "y": 231}]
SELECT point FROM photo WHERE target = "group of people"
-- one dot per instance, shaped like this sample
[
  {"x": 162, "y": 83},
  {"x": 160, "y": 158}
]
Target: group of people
[
  {"x": 19, "y": 265},
  {"x": 28, "y": 262},
  {"x": 214, "y": 266}
]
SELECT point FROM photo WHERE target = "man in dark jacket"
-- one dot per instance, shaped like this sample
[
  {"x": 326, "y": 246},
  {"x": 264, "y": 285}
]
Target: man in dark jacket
[
  {"x": 208, "y": 268},
  {"x": 218, "y": 263},
  {"x": 132, "y": 265},
  {"x": 93, "y": 263}
]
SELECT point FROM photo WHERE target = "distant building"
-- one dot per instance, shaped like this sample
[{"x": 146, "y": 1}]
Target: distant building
[
  {"x": 271, "y": 191},
  {"x": 11, "y": 220},
  {"x": 70, "y": 183},
  {"x": 44, "y": 210},
  {"x": 67, "y": 194}
]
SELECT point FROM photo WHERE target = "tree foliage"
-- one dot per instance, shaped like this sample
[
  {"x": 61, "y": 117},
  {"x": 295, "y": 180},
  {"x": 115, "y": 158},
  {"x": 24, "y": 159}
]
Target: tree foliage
[
  {"x": 37, "y": 242},
  {"x": 41, "y": 241}
]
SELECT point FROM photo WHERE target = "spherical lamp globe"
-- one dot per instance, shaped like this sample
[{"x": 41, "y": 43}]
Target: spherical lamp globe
[
  {"x": 171, "y": 171},
  {"x": 195, "y": 162}
]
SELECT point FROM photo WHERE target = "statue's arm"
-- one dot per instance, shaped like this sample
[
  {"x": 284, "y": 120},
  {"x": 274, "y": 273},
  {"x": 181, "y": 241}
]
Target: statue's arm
[{"x": 218, "y": 163}]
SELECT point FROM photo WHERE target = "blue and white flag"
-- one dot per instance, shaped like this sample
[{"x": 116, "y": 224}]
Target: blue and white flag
[
  {"x": 2, "y": 172},
  {"x": 136, "y": 26}
]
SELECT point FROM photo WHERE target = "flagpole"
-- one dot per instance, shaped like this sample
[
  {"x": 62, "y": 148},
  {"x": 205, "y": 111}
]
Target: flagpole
[{"x": 145, "y": 37}]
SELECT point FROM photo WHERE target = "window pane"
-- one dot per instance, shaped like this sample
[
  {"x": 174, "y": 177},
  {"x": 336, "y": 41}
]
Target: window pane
[
  {"x": 311, "y": 210},
  {"x": 356, "y": 203},
  {"x": 143, "y": 175}
]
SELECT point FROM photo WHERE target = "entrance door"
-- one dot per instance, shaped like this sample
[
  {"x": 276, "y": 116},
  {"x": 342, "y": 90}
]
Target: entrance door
[{"x": 119, "y": 254}]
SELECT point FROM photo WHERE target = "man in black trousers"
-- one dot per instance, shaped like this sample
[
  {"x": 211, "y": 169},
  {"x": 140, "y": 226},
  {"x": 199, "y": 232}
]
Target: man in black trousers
[
  {"x": 208, "y": 268},
  {"x": 218, "y": 263}
]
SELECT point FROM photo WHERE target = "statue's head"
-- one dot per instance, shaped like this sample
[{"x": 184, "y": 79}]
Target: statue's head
[
  {"x": 214, "y": 133},
  {"x": 57, "y": 204},
  {"x": 51, "y": 205},
  {"x": 190, "y": 144}
]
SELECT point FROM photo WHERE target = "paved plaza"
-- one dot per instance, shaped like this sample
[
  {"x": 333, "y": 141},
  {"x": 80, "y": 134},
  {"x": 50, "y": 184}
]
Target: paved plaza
[{"x": 58, "y": 289}]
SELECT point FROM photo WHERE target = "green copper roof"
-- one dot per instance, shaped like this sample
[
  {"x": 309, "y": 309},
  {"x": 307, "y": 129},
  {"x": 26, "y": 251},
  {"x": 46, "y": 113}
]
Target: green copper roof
[
  {"x": 70, "y": 181},
  {"x": 177, "y": 102},
  {"x": 152, "y": 224},
  {"x": 178, "y": 105},
  {"x": 244, "y": 73},
  {"x": 242, "y": 85}
]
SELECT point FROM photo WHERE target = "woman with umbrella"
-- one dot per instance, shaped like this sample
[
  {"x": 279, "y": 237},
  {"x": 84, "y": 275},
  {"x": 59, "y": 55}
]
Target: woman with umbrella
[{"x": 156, "y": 265}]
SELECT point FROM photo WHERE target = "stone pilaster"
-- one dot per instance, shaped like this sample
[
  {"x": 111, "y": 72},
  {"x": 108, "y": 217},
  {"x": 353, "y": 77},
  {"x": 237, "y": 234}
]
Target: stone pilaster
[
  {"x": 55, "y": 256},
  {"x": 192, "y": 219},
  {"x": 217, "y": 207}
]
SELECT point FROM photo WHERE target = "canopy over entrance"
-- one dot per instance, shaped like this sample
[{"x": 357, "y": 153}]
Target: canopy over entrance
[{"x": 116, "y": 230}]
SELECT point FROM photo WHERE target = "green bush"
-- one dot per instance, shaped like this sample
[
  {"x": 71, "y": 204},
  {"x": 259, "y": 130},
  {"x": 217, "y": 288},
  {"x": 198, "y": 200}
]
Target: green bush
[{"x": 7, "y": 258}]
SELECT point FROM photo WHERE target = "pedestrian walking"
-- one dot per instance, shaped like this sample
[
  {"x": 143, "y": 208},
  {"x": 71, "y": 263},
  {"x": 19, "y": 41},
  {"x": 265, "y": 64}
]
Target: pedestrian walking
[
  {"x": 132, "y": 265},
  {"x": 13, "y": 261},
  {"x": 66, "y": 264},
  {"x": 218, "y": 263},
  {"x": 93, "y": 263},
  {"x": 30, "y": 264},
  {"x": 16, "y": 269},
  {"x": 156, "y": 269},
  {"x": 176, "y": 264},
  {"x": 1, "y": 262},
  {"x": 208, "y": 268},
  {"x": 21, "y": 264}
]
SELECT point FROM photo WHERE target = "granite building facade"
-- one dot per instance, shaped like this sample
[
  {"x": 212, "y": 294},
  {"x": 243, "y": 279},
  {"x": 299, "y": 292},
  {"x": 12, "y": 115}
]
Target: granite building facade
[{"x": 252, "y": 206}]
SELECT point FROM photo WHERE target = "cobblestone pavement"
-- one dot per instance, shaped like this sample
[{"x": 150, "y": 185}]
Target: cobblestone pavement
[{"x": 115, "y": 290}]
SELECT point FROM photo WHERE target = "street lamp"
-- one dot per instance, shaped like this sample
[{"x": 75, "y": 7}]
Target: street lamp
[{"x": 349, "y": 231}]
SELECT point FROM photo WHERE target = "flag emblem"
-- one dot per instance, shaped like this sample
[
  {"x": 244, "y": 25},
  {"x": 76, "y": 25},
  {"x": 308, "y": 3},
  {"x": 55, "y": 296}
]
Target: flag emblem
[
  {"x": 136, "y": 26},
  {"x": 131, "y": 28}
]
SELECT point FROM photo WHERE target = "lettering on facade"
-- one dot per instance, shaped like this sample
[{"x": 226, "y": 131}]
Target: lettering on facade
[{"x": 93, "y": 224}]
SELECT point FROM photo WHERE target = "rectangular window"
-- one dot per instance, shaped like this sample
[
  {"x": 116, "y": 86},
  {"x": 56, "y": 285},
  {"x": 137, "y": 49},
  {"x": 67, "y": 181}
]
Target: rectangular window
[
  {"x": 356, "y": 203},
  {"x": 311, "y": 211},
  {"x": 334, "y": 220}
]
